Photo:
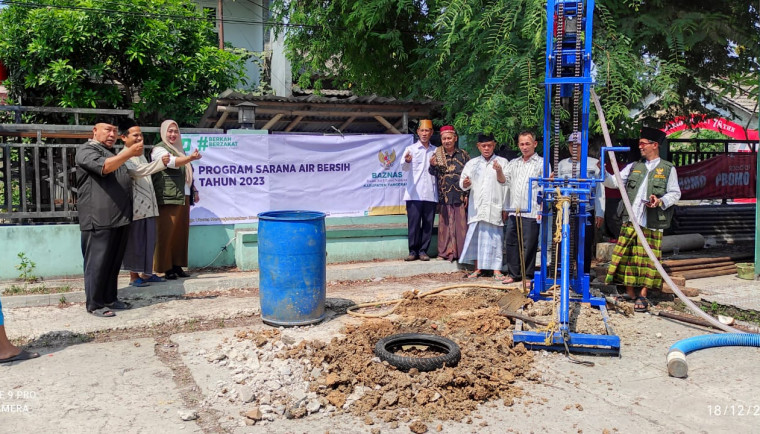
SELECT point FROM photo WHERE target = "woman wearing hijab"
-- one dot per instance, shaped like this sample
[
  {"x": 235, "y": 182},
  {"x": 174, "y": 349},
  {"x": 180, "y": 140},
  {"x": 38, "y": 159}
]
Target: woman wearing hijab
[{"x": 175, "y": 193}]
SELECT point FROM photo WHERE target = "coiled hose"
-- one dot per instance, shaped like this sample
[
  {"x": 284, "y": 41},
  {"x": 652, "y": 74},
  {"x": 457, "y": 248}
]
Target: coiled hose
[{"x": 677, "y": 353}]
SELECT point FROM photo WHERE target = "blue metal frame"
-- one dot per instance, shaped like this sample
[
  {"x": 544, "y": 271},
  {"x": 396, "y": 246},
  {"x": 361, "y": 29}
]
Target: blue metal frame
[{"x": 582, "y": 188}]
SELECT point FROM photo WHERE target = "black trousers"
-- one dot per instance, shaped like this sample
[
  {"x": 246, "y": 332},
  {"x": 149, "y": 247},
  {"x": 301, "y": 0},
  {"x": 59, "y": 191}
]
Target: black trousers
[
  {"x": 103, "y": 251},
  {"x": 588, "y": 242},
  {"x": 530, "y": 231},
  {"x": 420, "y": 215}
]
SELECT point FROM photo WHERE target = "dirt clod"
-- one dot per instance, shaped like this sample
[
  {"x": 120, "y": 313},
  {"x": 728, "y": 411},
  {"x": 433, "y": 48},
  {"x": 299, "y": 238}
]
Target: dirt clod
[
  {"x": 418, "y": 427},
  {"x": 336, "y": 398}
]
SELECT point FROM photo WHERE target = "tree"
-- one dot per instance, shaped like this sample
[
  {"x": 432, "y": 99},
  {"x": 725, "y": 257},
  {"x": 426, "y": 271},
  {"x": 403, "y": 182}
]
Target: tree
[
  {"x": 485, "y": 59},
  {"x": 368, "y": 47},
  {"x": 158, "y": 57}
]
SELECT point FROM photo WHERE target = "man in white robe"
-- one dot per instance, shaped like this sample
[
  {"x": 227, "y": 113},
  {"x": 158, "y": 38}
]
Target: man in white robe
[{"x": 484, "y": 178}]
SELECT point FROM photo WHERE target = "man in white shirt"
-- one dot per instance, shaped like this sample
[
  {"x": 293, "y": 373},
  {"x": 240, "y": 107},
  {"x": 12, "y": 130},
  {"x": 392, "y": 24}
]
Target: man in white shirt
[
  {"x": 518, "y": 173},
  {"x": 484, "y": 178},
  {"x": 652, "y": 187},
  {"x": 421, "y": 195},
  {"x": 570, "y": 168}
]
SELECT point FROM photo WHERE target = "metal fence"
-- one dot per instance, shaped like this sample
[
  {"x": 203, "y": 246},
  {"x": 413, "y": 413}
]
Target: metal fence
[
  {"x": 37, "y": 176},
  {"x": 37, "y": 181},
  {"x": 697, "y": 152}
]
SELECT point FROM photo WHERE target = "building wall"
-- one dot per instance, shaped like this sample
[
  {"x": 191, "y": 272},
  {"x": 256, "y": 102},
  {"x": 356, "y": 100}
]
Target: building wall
[
  {"x": 56, "y": 249},
  {"x": 248, "y": 30},
  {"x": 282, "y": 74}
]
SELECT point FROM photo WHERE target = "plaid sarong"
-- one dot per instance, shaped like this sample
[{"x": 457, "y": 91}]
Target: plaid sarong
[{"x": 630, "y": 265}]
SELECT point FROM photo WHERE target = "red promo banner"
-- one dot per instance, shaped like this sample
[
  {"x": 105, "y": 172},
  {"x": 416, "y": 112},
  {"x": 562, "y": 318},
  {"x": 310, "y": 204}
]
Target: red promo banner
[
  {"x": 723, "y": 126},
  {"x": 728, "y": 176}
]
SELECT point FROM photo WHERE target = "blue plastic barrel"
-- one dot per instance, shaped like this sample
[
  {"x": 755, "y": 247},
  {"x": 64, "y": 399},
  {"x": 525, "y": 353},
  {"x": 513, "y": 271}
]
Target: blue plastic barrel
[{"x": 292, "y": 269}]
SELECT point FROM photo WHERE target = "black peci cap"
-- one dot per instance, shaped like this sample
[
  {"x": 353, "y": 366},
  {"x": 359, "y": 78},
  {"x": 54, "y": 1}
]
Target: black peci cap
[
  {"x": 125, "y": 125},
  {"x": 485, "y": 137},
  {"x": 106, "y": 119},
  {"x": 653, "y": 134}
]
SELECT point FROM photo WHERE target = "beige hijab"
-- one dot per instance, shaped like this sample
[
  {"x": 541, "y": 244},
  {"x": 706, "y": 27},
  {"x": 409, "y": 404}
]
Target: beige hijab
[{"x": 177, "y": 146}]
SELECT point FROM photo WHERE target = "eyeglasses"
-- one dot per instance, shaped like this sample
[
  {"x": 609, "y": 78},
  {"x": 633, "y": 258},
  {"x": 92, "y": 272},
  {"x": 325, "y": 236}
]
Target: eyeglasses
[{"x": 646, "y": 142}]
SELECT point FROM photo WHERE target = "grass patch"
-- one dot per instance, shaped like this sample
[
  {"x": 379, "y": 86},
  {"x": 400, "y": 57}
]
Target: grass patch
[
  {"x": 35, "y": 289},
  {"x": 750, "y": 316},
  {"x": 715, "y": 309}
]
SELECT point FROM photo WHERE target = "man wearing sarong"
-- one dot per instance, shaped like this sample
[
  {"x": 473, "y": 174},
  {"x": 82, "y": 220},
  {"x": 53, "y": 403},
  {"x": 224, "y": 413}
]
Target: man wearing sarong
[
  {"x": 446, "y": 165},
  {"x": 138, "y": 256},
  {"x": 652, "y": 187},
  {"x": 484, "y": 178}
]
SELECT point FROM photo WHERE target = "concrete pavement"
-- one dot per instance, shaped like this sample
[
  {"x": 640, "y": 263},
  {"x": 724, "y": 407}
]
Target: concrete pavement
[
  {"x": 139, "y": 374},
  {"x": 202, "y": 281}
]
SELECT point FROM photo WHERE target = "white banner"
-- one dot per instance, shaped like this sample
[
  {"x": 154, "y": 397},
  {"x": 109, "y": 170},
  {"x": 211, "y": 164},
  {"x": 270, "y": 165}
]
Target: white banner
[{"x": 240, "y": 176}]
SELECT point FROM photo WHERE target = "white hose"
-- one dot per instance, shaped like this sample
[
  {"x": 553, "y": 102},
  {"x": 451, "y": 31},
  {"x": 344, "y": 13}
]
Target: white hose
[{"x": 694, "y": 308}]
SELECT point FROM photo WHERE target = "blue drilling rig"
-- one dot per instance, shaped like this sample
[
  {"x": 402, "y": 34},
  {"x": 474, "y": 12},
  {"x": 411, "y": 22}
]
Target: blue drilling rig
[{"x": 561, "y": 277}]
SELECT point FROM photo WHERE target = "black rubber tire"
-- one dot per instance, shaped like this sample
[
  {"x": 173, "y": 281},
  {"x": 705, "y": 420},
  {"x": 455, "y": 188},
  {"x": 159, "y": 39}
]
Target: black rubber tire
[{"x": 385, "y": 347}]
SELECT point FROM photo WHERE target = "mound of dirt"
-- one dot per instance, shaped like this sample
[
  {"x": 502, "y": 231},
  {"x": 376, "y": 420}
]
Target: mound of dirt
[
  {"x": 356, "y": 381},
  {"x": 344, "y": 375}
]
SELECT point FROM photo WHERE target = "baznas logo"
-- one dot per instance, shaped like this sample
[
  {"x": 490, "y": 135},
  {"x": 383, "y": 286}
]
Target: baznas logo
[{"x": 386, "y": 160}]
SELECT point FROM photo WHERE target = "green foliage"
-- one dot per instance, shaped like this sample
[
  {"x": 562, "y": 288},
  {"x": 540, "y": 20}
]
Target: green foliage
[
  {"x": 38, "y": 289},
  {"x": 696, "y": 137},
  {"x": 485, "y": 59},
  {"x": 26, "y": 268},
  {"x": 158, "y": 57},
  {"x": 14, "y": 187},
  {"x": 365, "y": 46}
]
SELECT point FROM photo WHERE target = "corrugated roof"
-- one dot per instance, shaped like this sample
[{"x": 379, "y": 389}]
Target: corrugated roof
[
  {"x": 336, "y": 99},
  {"x": 741, "y": 99},
  {"x": 321, "y": 114}
]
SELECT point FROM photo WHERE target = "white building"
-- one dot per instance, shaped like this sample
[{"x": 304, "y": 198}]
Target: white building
[{"x": 244, "y": 26}]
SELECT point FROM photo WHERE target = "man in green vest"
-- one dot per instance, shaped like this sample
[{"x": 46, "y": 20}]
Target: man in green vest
[{"x": 652, "y": 187}]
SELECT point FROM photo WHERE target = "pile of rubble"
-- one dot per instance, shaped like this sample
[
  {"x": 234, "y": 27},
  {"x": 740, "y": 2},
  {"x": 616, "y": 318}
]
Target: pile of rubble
[{"x": 273, "y": 376}]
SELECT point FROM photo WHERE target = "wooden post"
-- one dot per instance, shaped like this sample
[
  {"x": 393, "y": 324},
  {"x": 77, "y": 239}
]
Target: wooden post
[
  {"x": 346, "y": 123},
  {"x": 222, "y": 119},
  {"x": 220, "y": 18},
  {"x": 293, "y": 124},
  {"x": 272, "y": 121},
  {"x": 387, "y": 124}
]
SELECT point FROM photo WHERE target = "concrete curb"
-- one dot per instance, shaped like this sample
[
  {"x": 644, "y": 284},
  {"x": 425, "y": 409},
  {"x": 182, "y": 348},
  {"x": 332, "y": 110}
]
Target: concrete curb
[{"x": 224, "y": 281}]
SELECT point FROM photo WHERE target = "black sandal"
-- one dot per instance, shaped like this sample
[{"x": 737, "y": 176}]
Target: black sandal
[
  {"x": 641, "y": 304},
  {"x": 119, "y": 305},
  {"x": 179, "y": 272},
  {"x": 103, "y": 312},
  {"x": 23, "y": 355}
]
